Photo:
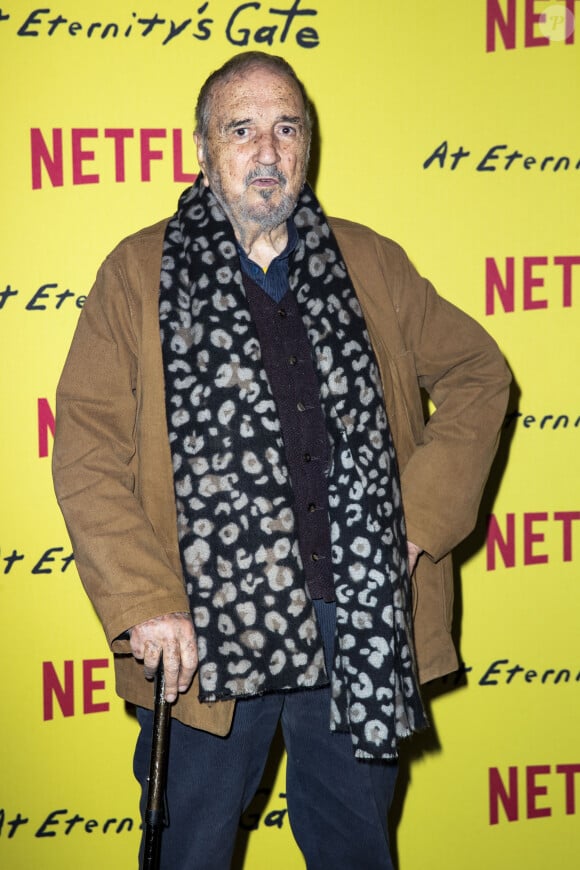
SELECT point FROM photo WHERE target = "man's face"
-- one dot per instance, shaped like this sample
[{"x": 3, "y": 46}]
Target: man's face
[{"x": 256, "y": 153}]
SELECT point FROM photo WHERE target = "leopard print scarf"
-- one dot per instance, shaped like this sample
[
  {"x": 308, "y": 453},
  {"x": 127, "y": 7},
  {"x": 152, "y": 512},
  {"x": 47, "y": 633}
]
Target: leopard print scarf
[{"x": 255, "y": 623}]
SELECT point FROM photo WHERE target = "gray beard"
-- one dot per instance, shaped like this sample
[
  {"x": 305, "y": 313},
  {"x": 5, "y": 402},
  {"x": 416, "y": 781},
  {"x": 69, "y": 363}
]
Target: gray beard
[{"x": 265, "y": 218}]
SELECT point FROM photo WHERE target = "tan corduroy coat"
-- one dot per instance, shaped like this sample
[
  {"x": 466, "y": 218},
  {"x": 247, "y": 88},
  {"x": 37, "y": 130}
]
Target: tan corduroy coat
[{"x": 112, "y": 464}]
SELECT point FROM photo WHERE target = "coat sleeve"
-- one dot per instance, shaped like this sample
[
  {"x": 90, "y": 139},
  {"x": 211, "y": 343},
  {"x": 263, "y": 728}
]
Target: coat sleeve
[
  {"x": 124, "y": 568},
  {"x": 462, "y": 370}
]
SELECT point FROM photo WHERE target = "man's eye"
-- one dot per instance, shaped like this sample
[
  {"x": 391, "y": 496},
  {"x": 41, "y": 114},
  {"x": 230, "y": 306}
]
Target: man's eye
[
  {"x": 287, "y": 131},
  {"x": 240, "y": 132}
]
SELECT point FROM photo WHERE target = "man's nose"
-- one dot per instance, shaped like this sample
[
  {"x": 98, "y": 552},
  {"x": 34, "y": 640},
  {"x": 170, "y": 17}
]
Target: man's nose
[{"x": 266, "y": 148}]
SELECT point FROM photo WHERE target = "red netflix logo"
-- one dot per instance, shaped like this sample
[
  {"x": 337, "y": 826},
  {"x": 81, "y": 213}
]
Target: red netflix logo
[
  {"x": 529, "y": 292},
  {"x": 46, "y": 426},
  {"x": 543, "y": 23},
  {"x": 82, "y": 147},
  {"x": 521, "y": 540},
  {"x": 63, "y": 690},
  {"x": 532, "y": 792}
]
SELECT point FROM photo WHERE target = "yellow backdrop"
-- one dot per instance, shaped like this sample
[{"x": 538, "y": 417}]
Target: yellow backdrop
[{"x": 451, "y": 127}]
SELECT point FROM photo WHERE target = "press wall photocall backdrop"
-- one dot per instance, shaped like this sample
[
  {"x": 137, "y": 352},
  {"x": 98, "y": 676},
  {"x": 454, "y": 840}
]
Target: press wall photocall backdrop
[{"x": 452, "y": 128}]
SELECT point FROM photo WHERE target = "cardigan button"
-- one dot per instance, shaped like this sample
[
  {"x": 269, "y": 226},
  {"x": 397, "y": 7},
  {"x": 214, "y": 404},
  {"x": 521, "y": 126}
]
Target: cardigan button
[
  {"x": 311, "y": 507},
  {"x": 292, "y": 360},
  {"x": 307, "y": 457},
  {"x": 281, "y": 312},
  {"x": 301, "y": 406}
]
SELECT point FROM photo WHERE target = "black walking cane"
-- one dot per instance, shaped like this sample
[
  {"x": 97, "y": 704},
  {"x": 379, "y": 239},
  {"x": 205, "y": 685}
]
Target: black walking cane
[{"x": 155, "y": 813}]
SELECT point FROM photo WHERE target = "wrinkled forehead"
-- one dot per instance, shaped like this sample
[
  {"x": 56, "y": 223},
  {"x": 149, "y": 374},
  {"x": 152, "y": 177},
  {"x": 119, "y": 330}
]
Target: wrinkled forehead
[{"x": 256, "y": 94}]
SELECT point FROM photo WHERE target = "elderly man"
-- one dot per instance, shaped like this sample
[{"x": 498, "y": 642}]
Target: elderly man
[{"x": 239, "y": 427}]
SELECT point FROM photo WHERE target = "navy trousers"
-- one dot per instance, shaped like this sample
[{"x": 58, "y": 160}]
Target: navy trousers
[{"x": 337, "y": 805}]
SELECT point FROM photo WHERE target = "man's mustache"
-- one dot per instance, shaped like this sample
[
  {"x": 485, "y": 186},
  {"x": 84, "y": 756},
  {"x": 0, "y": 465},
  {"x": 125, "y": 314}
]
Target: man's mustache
[{"x": 264, "y": 172}]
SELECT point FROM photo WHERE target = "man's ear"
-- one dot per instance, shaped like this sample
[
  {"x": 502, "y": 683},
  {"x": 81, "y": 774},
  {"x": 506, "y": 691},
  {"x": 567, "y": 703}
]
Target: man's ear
[{"x": 201, "y": 156}]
